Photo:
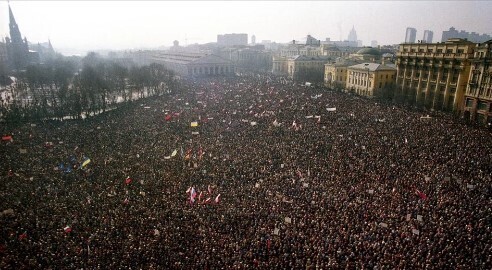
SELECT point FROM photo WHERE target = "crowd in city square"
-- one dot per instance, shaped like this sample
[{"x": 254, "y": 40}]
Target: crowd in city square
[{"x": 250, "y": 172}]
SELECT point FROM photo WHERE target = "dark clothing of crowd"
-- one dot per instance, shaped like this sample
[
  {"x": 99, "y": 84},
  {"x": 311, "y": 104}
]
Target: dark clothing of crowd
[{"x": 364, "y": 186}]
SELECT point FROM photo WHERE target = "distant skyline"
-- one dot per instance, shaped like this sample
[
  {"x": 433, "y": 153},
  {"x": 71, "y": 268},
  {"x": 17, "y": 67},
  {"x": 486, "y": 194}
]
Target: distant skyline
[{"x": 120, "y": 25}]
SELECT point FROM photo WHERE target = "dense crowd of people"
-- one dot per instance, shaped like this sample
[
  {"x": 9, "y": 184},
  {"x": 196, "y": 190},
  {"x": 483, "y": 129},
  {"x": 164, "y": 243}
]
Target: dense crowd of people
[{"x": 308, "y": 178}]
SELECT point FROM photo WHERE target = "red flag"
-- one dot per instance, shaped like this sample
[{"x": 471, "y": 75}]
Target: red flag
[
  {"x": 200, "y": 153},
  {"x": 67, "y": 229},
  {"x": 128, "y": 180},
  {"x": 168, "y": 117},
  {"x": 217, "y": 199},
  {"x": 23, "y": 236},
  {"x": 207, "y": 201},
  {"x": 209, "y": 189},
  {"x": 6, "y": 138},
  {"x": 421, "y": 194},
  {"x": 200, "y": 196}
]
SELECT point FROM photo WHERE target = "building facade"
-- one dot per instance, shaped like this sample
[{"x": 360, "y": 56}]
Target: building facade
[
  {"x": 367, "y": 78},
  {"x": 434, "y": 75},
  {"x": 307, "y": 68},
  {"x": 194, "y": 64},
  {"x": 410, "y": 35},
  {"x": 229, "y": 40},
  {"x": 336, "y": 74},
  {"x": 478, "y": 95},
  {"x": 473, "y": 37}
]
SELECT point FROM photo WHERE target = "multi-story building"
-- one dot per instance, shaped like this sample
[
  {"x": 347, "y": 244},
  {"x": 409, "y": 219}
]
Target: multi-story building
[
  {"x": 336, "y": 73},
  {"x": 473, "y": 37},
  {"x": 428, "y": 36},
  {"x": 410, "y": 35},
  {"x": 307, "y": 68},
  {"x": 434, "y": 75},
  {"x": 232, "y": 40},
  {"x": 352, "y": 35},
  {"x": 193, "y": 64},
  {"x": 478, "y": 95},
  {"x": 368, "y": 78}
]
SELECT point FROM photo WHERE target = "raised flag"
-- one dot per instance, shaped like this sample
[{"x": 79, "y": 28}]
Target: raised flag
[
  {"x": 7, "y": 138},
  {"x": 174, "y": 153},
  {"x": 192, "y": 195},
  {"x": 128, "y": 180},
  {"x": 421, "y": 194},
  {"x": 168, "y": 117},
  {"x": 217, "y": 199},
  {"x": 23, "y": 236},
  {"x": 194, "y": 124},
  {"x": 200, "y": 153},
  {"x": 209, "y": 189},
  {"x": 331, "y": 109},
  {"x": 86, "y": 162},
  {"x": 67, "y": 229},
  {"x": 200, "y": 196}
]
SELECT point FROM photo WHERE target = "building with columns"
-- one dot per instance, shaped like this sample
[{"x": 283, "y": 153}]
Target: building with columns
[
  {"x": 194, "y": 64},
  {"x": 368, "y": 78},
  {"x": 336, "y": 73},
  {"x": 478, "y": 95},
  {"x": 435, "y": 74}
]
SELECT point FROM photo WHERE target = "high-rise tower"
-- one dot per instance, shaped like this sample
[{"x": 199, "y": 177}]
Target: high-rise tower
[
  {"x": 352, "y": 35},
  {"x": 410, "y": 35}
]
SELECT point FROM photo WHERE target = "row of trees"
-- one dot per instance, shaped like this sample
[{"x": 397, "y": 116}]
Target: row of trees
[{"x": 73, "y": 87}]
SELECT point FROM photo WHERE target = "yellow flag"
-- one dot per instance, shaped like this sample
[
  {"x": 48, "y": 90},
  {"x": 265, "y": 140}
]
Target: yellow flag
[
  {"x": 174, "y": 153},
  {"x": 87, "y": 161},
  {"x": 194, "y": 124}
]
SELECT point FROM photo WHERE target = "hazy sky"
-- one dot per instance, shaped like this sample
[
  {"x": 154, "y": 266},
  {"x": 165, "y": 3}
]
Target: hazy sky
[{"x": 86, "y": 25}]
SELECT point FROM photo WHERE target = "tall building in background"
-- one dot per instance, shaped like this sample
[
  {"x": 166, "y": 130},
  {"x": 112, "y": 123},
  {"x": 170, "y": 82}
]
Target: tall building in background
[
  {"x": 253, "y": 39},
  {"x": 428, "y": 35},
  {"x": 17, "y": 48},
  {"x": 473, "y": 37},
  {"x": 352, "y": 35},
  {"x": 232, "y": 40},
  {"x": 410, "y": 35}
]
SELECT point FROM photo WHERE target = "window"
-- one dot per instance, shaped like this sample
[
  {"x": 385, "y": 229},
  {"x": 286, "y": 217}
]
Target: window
[
  {"x": 461, "y": 51},
  {"x": 469, "y": 103},
  {"x": 430, "y": 50},
  {"x": 482, "y": 106},
  {"x": 439, "y": 50},
  {"x": 449, "y": 51}
]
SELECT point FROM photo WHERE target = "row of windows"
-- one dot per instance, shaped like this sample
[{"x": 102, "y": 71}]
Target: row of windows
[
  {"x": 421, "y": 50},
  {"x": 212, "y": 70}
]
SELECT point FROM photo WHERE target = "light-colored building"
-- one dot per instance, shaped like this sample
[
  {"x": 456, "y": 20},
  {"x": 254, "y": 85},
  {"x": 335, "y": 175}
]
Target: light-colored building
[
  {"x": 434, "y": 75},
  {"x": 478, "y": 95},
  {"x": 194, "y": 64},
  {"x": 367, "y": 78},
  {"x": 336, "y": 74},
  {"x": 428, "y": 36},
  {"x": 307, "y": 68},
  {"x": 410, "y": 35},
  {"x": 279, "y": 65},
  {"x": 232, "y": 40}
]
